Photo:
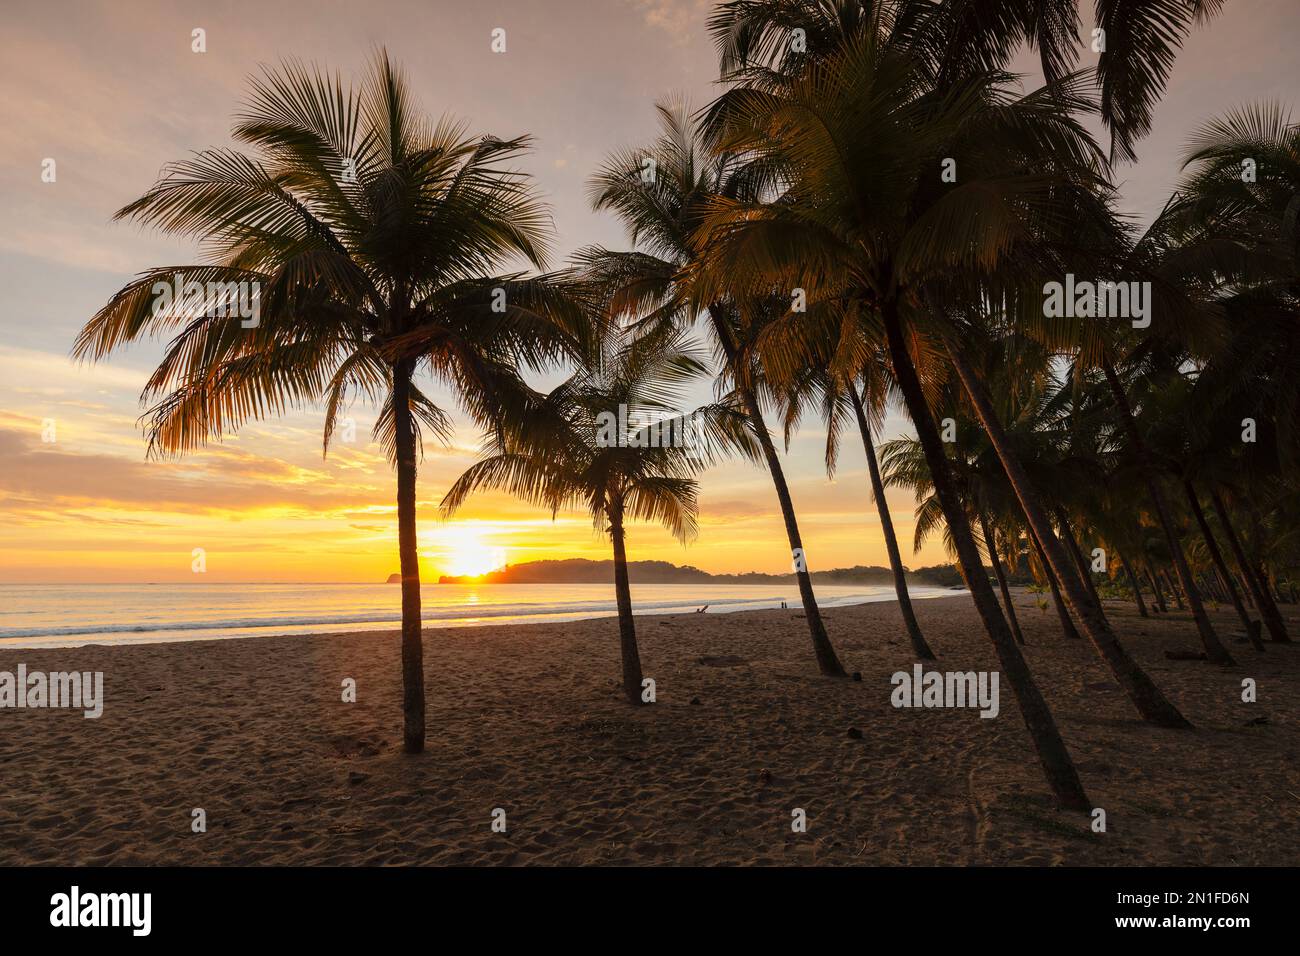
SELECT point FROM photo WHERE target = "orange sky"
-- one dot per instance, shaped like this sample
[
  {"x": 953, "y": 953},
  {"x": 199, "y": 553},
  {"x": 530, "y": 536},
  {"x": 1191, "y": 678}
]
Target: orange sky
[{"x": 111, "y": 91}]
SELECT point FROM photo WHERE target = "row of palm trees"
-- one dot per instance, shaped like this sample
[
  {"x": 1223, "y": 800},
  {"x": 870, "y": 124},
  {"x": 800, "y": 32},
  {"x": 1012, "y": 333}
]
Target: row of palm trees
[{"x": 867, "y": 215}]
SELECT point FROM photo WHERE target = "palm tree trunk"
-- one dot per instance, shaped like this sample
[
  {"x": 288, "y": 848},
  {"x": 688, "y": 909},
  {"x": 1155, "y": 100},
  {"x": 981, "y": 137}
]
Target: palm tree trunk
[
  {"x": 1133, "y": 583},
  {"x": 990, "y": 545},
  {"x": 623, "y": 595},
  {"x": 1062, "y": 612},
  {"x": 1245, "y": 592},
  {"x": 1263, "y": 600},
  {"x": 1214, "y": 649},
  {"x": 827, "y": 660},
  {"x": 1174, "y": 590},
  {"x": 919, "y": 646},
  {"x": 1267, "y": 576},
  {"x": 412, "y": 638},
  {"x": 1160, "y": 595},
  {"x": 1141, "y": 690},
  {"x": 1061, "y": 774},
  {"x": 1080, "y": 562}
]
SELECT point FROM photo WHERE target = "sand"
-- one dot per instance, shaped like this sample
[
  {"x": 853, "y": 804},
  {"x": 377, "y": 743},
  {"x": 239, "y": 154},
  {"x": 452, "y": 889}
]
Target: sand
[{"x": 528, "y": 719}]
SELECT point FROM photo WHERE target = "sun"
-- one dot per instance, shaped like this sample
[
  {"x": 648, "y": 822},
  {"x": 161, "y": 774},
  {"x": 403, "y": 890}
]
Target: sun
[{"x": 466, "y": 552}]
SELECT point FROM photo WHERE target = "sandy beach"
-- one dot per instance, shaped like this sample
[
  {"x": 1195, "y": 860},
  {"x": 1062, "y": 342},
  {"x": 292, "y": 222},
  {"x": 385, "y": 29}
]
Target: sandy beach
[{"x": 529, "y": 719}]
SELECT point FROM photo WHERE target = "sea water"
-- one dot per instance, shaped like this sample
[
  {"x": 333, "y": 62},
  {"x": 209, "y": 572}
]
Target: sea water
[{"x": 60, "y": 615}]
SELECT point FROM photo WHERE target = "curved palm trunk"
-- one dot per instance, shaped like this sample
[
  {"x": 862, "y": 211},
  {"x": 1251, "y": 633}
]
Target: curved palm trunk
[
  {"x": 1141, "y": 690},
  {"x": 990, "y": 542},
  {"x": 1080, "y": 562},
  {"x": 827, "y": 660},
  {"x": 1133, "y": 583},
  {"x": 623, "y": 596},
  {"x": 1174, "y": 590},
  {"x": 1057, "y": 765},
  {"x": 1161, "y": 606},
  {"x": 1263, "y": 600},
  {"x": 1216, "y": 556},
  {"x": 412, "y": 638},
  {"x": 919, "y": 645},
  {"x": 1062, "y": 612},
  {"x": 1214, "y": 649},
  {"x": 991, "y": 546}
]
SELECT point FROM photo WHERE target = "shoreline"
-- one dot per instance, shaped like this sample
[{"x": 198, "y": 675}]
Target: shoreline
[
  {"x": 505, "y": 614},
  {"x": 528, "y": 718}
]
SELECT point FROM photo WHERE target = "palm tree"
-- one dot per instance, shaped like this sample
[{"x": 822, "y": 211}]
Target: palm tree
[
  {"x": 1047, "y": 573},
  {"x": 1133, "y": 583},
  {"x": 1215, "y": 650},
  {"x": 865, "y": 424},
  {"x": 1042, "y": 427},
  {"x": 1221, "y": 567},
  {"x": 374, "y": 239},
  {"x": 994, "y": 549},
  {"x": 1183, "y": 430},
  {"x": 662, "y": 193},
  {"x": 1244, "y": 231},
  {"x": 959, "y": 38},
  {"x": 570, "y": 450},
  {"x": 1258, "y": 588},
  {"x": 834, "y": 380}
]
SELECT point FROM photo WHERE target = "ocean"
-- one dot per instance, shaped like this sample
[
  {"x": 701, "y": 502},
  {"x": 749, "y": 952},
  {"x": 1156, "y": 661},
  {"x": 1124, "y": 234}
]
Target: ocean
[{"x": 68, "y": 615}]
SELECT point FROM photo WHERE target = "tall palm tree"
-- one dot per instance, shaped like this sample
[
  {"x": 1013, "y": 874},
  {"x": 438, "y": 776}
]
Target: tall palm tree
[
  {"x": 919, "y": 644},
  {"x": 570, "y": 450},
  {"x": 661, "y": 193},
  {"x": 868, "y": 410},
  {"x": 375, "y": 240}
]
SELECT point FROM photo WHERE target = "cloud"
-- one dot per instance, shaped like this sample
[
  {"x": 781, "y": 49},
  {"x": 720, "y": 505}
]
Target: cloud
[
  {"x": 39, "y": 478},
  {"x": 683, "y": 20},
  {"x": 58, "y": 374}
]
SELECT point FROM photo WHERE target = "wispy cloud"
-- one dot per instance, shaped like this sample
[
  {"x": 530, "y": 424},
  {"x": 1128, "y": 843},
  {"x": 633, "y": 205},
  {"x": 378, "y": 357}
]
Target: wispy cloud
[{"x": 683, "y": 20}]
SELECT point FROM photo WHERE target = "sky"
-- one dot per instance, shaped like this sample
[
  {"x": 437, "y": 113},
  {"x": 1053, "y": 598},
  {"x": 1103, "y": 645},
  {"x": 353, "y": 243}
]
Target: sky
[{"x": 110, "y": 91}]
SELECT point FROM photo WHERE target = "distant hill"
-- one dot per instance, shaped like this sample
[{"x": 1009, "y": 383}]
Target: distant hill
[
  {"x": 583, "y": 571},
  {"x": 948, "y": 576}
]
